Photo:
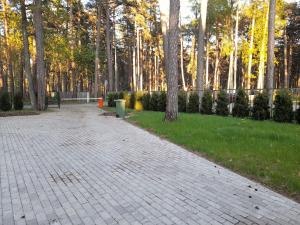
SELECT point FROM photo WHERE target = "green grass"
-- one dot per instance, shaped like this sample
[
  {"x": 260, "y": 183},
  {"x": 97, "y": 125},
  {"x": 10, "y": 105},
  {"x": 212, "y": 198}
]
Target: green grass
[{"x": 266, "y": 151}]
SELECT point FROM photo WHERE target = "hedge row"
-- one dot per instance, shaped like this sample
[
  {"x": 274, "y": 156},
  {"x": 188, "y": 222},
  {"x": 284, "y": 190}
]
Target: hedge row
[
  {"x": 283, "y": 105},
  {"x": 5, "y": 101}
]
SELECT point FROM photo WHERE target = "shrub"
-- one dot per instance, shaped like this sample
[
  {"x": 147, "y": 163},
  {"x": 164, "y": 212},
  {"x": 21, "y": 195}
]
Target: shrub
[
  {"x": 182, "y": 101},
  {"x": 18, "y": 101},
  {"x": 146, "y": 101},
  {"x": 5, "y": 103},
  {"x": 298, "y": 115},
  {"x": 206, "y": 103},
  {"x": 162, "y": 101},
  {"x": 132, "y": 100},
  {"x": 138, "y": 101},
  {"x": 222, "y": 104},
  {"x": 127, "y": 99},
  {"x": 111, "y": 97},
  {"x": 193, "y": 104},
  {"x": 121, "y": 95},
  {"x": 241, "y": 105},
  {"x": 260, "y": 109},
  {"x": 283, "y": 107},
  {"x": 154, "y": 101}
]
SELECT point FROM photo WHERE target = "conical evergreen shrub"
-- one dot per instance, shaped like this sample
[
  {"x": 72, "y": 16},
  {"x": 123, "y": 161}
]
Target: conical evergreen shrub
[
  {"x": 241, "y": 105},
  {"x": 222, "y": 104},
  {"x": 206, "y": 103}
]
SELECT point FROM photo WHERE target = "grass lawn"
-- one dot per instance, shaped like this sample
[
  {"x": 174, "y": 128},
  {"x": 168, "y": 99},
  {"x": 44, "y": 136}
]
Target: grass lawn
[{"x": 265, "y": 151}]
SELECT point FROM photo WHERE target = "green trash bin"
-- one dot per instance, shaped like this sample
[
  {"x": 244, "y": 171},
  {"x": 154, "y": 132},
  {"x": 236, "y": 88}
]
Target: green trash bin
[{"x": 120, "y": 108}]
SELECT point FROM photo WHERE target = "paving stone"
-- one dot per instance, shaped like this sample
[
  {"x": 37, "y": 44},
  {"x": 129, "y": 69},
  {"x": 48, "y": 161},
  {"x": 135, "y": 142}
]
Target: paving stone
[{"x": 75, "y": 167}]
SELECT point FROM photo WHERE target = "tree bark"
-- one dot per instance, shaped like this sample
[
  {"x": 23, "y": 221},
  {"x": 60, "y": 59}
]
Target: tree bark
[
  {"x": 236, "y": 39},
  {"x": 230, "y": 70},
  {"x": 9, "y": 70},
  {"x": 164, "y": 17},
  {"x": 201, "y": 56},
  {"x": 182, "y": 64},
  {"x": 270, "y": 54},
  {"x": 172, "y": 78},
  {"x": 108, "y": 48},
  {"x": 249, "y": 73},
  {"x": 216, "y": 71},
  {"x": 97, "y": 59},
  {"x": 27, "y": 67},
  {"x": 40, "y": 63},
  {"x": 72, "y": 46},
  {"x": 261, "y": 69}
]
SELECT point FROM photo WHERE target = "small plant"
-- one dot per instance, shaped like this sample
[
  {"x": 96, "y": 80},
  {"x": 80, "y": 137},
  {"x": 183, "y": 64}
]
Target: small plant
[
  {"x": 5, "y": 103},
  {"x": 193, "y": 104},
  {"x": 206, "y": 103},
  {"x": 162, "y": 101},
  {"x": 121, "y": 95},
  {"x": 260, "y": 109},
  {"x": 132, "y": 100},
  {"x": 182, "y": 101},
  {"x": 154, "y": 101},
  {"x": 18, "y": 101},
  {"x": 222, "y": 104},
  {"x": 283, "y": 107},
  {"x": 241, "y": 105},
  {"x": 127, "y": 99},
  {"x": 138, "y": 106},
  {"x": 146, "y": 101},
  {"x": 111, "y": 97}
]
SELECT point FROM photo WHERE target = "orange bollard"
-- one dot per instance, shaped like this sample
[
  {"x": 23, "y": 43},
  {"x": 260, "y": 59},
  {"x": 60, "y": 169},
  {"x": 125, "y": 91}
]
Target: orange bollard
[{"x": 100, "y": 103}]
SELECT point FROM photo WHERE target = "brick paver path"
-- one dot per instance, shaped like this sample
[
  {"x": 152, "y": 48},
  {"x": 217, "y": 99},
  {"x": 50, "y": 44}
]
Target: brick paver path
[{"x": 75, "y": 167}]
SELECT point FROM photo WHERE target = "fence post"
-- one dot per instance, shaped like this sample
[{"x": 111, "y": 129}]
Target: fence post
[{"x": 88, "y": 97}]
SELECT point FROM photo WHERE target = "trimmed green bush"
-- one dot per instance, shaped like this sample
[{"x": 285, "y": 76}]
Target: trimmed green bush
[
  {"x": 154, "y": 101},
  {"x": 182, "y": 101},
  {"x": 206, "y": 103},
  {"x": 111, "y": 97},
  {"x": 222, "y": 104},
  {"x": 132, "y": 100},
  {"x": 162, "y": 101},
  {"x": 241, "y": 105},
  {"x": 121, "y": 95},
  {"x": 146, "y": 101},
  {"x": 283, "y": 107},
  {"x": 193, "y": 104},
  {"x": 298, "y": 115},
  {"x": 18, "y": 101},
  {"x": 260, "y": 109},
  {"x": 5, "y": 103}
]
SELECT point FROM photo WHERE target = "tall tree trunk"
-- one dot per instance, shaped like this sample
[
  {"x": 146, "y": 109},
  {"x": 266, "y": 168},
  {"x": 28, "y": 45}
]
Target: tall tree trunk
[
  {"x": 270, "y": 54},
  {"x": 236, "y": 39},
  {"x": 261, "y": 67},
  {"x": 217, "y": 62},
  {"x": 201, "y": 56},
  {"x": 72, "y": 46},
  {"x": 97, "y": 59},
  {"x": 115, "y": 56},
  {"x": 249, "y": 73},
  {"x": 164, "y": 18},
  {"x": 40, "y": 64},
  {"x": 286, "y": 75},
  {"x": 27, "y": 67},
  {"x": 172, "y": 78},
  {"x": 290, "y": 63},
  {"x": 21, "y": 77},
  {"x": 108, "y": 46},
  {"x": 207, "y": 65},
  {"x": 134, "y": 69},
  {"x": 182, "y": 63},
  {"x": 230, "y": 69},
  {"x": 9, "y": 70}
]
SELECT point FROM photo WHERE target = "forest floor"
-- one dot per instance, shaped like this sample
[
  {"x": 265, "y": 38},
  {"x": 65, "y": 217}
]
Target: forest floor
[{"x": 266, "y": 151}]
